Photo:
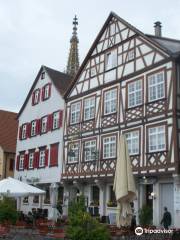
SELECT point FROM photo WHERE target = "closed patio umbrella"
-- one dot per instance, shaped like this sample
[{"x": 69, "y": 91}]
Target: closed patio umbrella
[
  {"x": 12, "y": 187},
  {"x": 124, "y": 184}
]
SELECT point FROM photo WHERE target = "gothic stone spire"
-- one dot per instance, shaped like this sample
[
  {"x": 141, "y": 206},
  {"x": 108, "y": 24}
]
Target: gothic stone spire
[{"x": 73, "y": 59}]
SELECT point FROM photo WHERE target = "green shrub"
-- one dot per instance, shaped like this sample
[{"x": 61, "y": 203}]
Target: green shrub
[
  {"x": 82, "y": 226},
  {"x": 145, "y": 215},
  {"x": 8, "y": 211}
]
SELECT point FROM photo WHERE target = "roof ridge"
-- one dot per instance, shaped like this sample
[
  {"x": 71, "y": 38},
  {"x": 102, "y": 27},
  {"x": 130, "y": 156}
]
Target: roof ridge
[
  {"x": 163, "y": 38},
  {"x": 7, "y": 111}
]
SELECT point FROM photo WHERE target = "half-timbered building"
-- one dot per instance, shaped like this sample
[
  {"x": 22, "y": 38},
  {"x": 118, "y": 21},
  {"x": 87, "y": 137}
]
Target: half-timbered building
[{"x": 128, "y": 84}]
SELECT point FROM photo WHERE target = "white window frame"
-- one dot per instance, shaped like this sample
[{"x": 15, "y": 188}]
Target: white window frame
[
  {"x": 111, "y": 60},
  {"x": 21, "y": 162},
  {"x": 75, "y": 112},
  {"x": 24, "y": 131},
  {"x": 44, "y": 122},
  {"x": 46, "y": 91},
  {"x": 156, "y": 86},
  {"x": 89, "y": 150},
  {"x": 75, "y": 148},
  {"x": 131, "y": 55},
  {"x": 109, "y": 147},
  {"x": 42, "y": 158},
  {"x": 55, "y": 120},
  {"x": 93, "y": 71},
  {"x": 157, "y": 138},
  {"x": 110, "y": 101},
  {"x": 36, "y": 96},
  {"x": 135, "y": 95},
  {"x": 31, "y": 160},
  {"x": 132, "y": 139},
  {"x": 33, "y": 128},
  {"x": 89, "y": 108}
]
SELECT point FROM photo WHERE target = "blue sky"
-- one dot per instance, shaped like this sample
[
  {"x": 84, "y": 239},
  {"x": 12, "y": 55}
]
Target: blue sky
[{"x": 36, "y": 32}]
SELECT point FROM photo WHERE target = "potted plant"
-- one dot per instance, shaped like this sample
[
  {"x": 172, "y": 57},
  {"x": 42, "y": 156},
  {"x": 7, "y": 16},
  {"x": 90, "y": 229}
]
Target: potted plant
[{"x": 145, "y": 216}]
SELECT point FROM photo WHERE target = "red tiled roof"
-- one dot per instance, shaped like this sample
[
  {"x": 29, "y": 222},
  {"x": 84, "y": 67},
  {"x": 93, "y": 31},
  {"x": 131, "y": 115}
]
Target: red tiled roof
[{"x": 8, "y": 130}]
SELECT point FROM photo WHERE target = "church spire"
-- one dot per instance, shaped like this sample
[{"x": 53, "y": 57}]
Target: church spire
[{"x": 73, "y": 59}]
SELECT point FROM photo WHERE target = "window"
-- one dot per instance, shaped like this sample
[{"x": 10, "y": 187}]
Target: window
[
  {"x": 95, "y": 195},
  {"x": 31, "y": 159},
  {"x": 135, "y": 93},
  {"x": 33, "y": 128},
  {"x": 111, "y": 60},
  {"x": 36, "y": 96},
  {"x": 75, "y": 112},
  {"x": 54, "y": 154},
  {"x": 44, "y": 124},
  {"x": 42, "y": 158},
  {"x": 55, "y": 120},
  {"x": 73, "y": 154},
  {"x": 131, "y": 55},
  {"x": 93, "y": 71},
  {"x": 21, "y": 162},
  {"x": 42, "y": 75},
  {"x": 46, "y": 91},
  {"x": 156, "y": 86},
  {"x": 89, "y": 108},
  {"x": 109, "y": 147},
  {"x": 112, "y": 197},
  {"x": 157, "y": 139},
  {"x": 24, "y": 131},
  {"x": 90, "y": 150},
  {"x": 133, "y": 142},
  {"x": 110, "y": 101}
]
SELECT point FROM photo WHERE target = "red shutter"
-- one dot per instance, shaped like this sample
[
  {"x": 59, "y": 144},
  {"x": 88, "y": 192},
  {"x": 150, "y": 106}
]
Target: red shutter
[
  {"x": 17, "y": 163},
  {"x": 33, "y": 96},
  {"x": 26, "y": 161},
  {"x": 50, "y": 122},
  {"x": 38, "y": 125},
  {"x": 49, "y": 93},
  {"x": 46, "y": 157},
  {"x": 60, "y": 118},
  {"x": 36, "y": 160},
  {"x": 20, "y": 133},
  {"x": 28, "y": 130},
  {"x": 42, "y": 94},
  {"x": 54, "y": 155}
]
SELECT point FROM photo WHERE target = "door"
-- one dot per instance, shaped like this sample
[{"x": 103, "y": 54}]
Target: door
[{"x": 166, "y": 199}]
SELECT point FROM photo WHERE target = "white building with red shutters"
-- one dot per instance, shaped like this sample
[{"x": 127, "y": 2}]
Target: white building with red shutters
[{"x": 39, "y": 151}]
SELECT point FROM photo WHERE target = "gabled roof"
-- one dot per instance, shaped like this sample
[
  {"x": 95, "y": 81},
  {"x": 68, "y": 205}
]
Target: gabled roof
[
  {"x": 8, "y": 131},
  {"x": 60, "y": 80},
  {"x": 162, "y": 46}
]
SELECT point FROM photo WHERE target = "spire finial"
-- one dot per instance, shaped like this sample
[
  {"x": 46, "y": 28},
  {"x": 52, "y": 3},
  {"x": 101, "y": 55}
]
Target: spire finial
[{"x": 73, "y": 60}]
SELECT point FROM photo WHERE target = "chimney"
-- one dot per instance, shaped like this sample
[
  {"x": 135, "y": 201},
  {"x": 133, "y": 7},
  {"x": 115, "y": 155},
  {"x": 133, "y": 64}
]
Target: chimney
[{"x": 157, "y": 28}]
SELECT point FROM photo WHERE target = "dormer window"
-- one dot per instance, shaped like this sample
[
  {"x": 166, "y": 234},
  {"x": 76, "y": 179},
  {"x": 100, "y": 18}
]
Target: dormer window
[
  {"x": 111, "y": 60},
  {"x": 42, "y": 75},
  {"x": 36, "y": 97}
]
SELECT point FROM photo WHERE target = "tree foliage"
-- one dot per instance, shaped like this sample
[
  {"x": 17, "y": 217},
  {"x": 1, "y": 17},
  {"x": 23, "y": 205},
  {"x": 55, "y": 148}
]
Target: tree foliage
[
  {"x": 8, "y": 211},
  {"x": 82, "y": 226},
  {"x": 145, "y": 215}
]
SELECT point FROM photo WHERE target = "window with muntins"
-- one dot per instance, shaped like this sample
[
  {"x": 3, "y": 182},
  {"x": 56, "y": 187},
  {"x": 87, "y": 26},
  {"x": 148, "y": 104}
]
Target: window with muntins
[
  {"x": 111, "y": 60},
  {"x": 75, "y": 112},
  {"x": 31, "y": 160},
  {"x": 33, "y": 128},
  {"x": 36, "y": 96},
  {"x": 156, "y": 86},
  {"x": 133, "y": 142},
  {"x": 24, "y": 131},
  {"x": 44, "y": 124},
  {"x": 46, "y": 91},
  {"x": 89, "y": 150},
  {"x": 42, "y": 75},
  {"x": 110, "y": 101},
  {"x": 131, "y": 55},
  {"x": 157, "y": 138},
  {"x": 56, "y": 120},
  {"x": 74, "y": 147},
  {"x": 42, "y": 158},
  {"x": 135, "y": 93},
  {"x": 109, "y": 147},
  {"x": 21, "y": 162},
  {"x": 89, "y": 108}
]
